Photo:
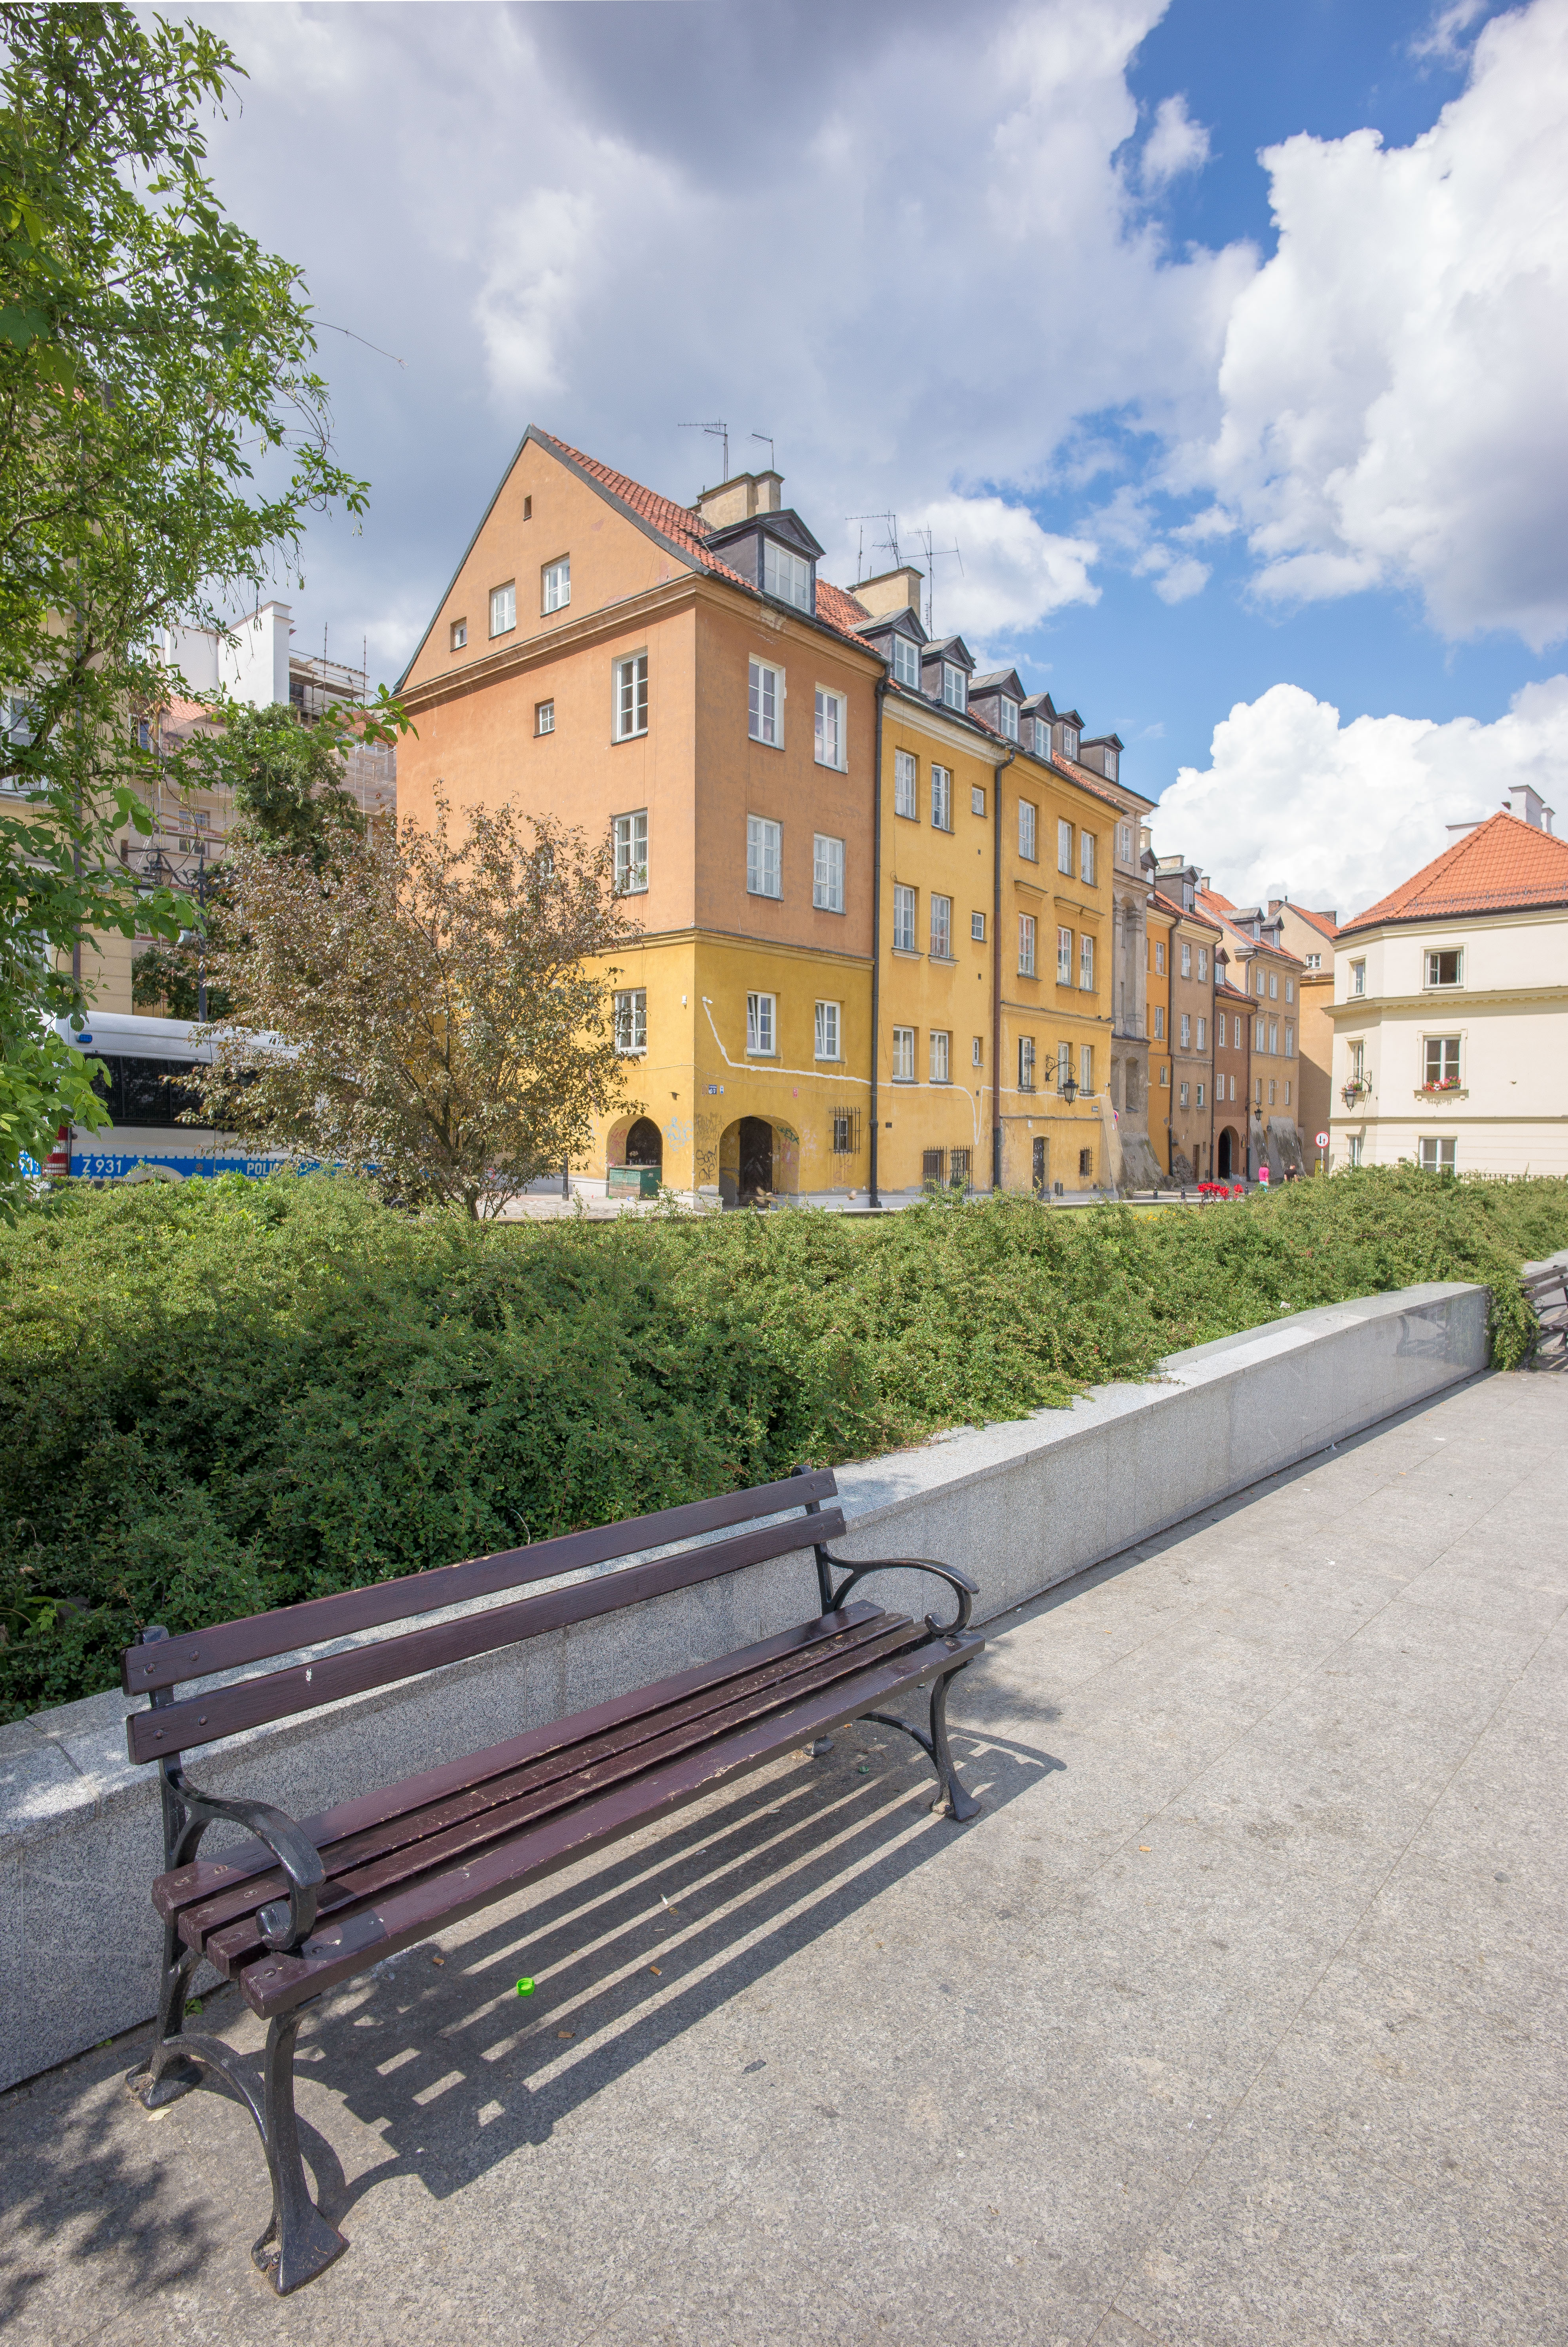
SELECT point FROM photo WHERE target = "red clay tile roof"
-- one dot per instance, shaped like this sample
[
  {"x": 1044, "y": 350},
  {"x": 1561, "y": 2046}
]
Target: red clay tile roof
[
  {"x": 689, "y": 532},
  {"x": 1097, "y": 782},
  {"x": 1169, "y": 904},
  {"x": 1320, "y": 921},
  {"x": 1220, "y": 904},
  {"x": 1504, "y": 866}
]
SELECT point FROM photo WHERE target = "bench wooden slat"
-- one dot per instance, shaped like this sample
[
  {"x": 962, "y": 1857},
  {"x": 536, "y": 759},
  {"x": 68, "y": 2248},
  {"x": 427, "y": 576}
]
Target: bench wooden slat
[
  {"x": 252, "y": 1703},
  {"x": 227, "y": 1646},
  {"x": 204, "y": 1876},
  {"x": 569, "y": 1755},
  {"x": 348, "y": 1944},
  {"x": 566, "y": 1785}
]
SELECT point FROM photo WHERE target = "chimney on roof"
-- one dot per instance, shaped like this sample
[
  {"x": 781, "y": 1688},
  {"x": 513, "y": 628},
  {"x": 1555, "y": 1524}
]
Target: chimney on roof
[
  {"x": 1204, "y": 883},
  {"x": 740, "y": 497},
  {"x": 1525, "y": 801},
  {"x": 891, "y": 590}
]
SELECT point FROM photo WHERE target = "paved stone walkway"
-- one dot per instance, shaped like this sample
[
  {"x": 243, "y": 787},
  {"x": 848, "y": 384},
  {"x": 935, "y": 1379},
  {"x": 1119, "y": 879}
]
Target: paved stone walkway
[{"x": 1237, "y": 2016}]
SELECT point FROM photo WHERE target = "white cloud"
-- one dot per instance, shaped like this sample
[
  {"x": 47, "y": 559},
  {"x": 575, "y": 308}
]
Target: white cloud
[
  {"x": 1392, "y": 379},
  {"x": 1013, "y": 574},
  {"x": 1442, "y": 37},
  {"x": 1174, "y": 144},
  {"x": 1341, "y": 814}
]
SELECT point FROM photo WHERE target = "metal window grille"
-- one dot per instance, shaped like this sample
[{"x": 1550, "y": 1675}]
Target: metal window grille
[
  {"x": 845, "y": 1131},
  {"x": 958, "y": 1169},
  {"x": 933, "y": 1166}
]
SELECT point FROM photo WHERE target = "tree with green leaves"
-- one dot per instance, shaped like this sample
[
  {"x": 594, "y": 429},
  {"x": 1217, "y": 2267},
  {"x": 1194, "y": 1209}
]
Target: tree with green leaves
[
  {"x": 431, "y": 1009},
  {"x": 152, "y": 356}
]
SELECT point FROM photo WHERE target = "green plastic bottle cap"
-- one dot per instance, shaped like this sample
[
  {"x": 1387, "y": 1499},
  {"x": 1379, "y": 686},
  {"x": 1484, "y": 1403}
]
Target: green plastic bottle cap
[{"x": 525, "y": 1988}]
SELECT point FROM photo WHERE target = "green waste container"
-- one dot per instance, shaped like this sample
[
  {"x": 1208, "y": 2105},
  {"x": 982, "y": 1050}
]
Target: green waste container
[{"x": 632, "y": 1182}]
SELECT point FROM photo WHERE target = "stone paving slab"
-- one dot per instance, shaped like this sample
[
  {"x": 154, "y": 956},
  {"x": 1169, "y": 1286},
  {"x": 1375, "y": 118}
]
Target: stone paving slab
[{"x": 1237, "y": 2016}]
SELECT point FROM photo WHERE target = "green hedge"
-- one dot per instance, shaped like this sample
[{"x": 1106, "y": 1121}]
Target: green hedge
[{"x": 232, "y": 1395}]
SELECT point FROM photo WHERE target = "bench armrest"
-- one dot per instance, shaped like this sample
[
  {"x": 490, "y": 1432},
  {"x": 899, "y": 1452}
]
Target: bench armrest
[
  {"x": 964, "y": 1590},
  {"x": 284, "y": 1923}
]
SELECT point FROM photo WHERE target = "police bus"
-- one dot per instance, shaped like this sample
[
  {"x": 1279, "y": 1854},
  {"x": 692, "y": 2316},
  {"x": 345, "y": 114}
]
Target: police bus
[{"x": 149, "y": 1063}]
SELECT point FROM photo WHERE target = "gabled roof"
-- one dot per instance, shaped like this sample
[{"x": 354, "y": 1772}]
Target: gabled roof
[
  {"x": 1504, "y": 866},
  {"x": 953, "y": 646},
  {"x": 1169, "y": 905},
  {"x": 1320, "y": 921},
  {"x": 905, "y": 619},
  {"x": 1220, "y": 904},
  {"x": 998, "y": 680},
  {"x": 685, "y": 533}
]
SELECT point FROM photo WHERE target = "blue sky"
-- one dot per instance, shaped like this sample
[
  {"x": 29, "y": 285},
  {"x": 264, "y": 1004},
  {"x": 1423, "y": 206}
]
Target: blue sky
[{"x": 1225, "y": 339}]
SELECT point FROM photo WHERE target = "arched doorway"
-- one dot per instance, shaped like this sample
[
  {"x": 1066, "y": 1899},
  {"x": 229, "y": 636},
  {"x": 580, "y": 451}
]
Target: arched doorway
[
  {"x": 645, "y": 1144},
  {"x": 756, "y": 1166},
  {"x": 1230, "y": 1154}
]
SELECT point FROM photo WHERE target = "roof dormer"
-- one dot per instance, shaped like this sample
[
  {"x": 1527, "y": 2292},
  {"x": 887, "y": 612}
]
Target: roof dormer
[
  {"x": 1102, "y": 755},
  {"x": 774, "y": 552},
  {"x": 898, "y": 636},
  {"x": 996, "y": 698},
  {"x": 946, "y": 668}
]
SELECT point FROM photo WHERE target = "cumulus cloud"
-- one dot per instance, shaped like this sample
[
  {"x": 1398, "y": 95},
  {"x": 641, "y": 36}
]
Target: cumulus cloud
[
  {"x": 1174, "y": 144},
  {"x": 1008, "y": 573},
  {"x": 1339, "y": 814},
  {"x": 1392, "y": 379}
]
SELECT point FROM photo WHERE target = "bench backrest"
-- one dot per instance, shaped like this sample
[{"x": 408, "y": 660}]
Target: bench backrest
[{"x": 177, "y": 1725}]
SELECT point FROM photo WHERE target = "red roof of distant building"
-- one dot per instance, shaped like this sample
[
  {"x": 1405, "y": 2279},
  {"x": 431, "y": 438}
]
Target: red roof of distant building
[
  {"x": 1320, "y": 921},
  {"x": 1158, "y": 896},
  {"x": 1504, "y": 866},
  {"x": 1220, "y": 904}
]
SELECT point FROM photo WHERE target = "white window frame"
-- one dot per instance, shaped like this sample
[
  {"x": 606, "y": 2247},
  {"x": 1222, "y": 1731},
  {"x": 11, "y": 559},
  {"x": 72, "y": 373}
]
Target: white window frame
[
  {"x": 1159, "y": 1022},
  {"x": 828, "y": 1016},
  {"x": 1027, "y": 831},
  {"x": 1289, "y": 1041},
  {"x": 1290, "y": 989},
  {"x": 631, "y": 837},
  {"x": 1432, "y": 1160},
  {"x": 906, "y": 911},
  {"x": 1125, "y": 833},
  {"x": 1026, "y": 1063},
  {"x": 1064, "y": 957},
  {"x": 1260, "y": 986},
  {"x": 1063, "y": 1063},
  {"x": 832, "y": 729},
  {"x": 1086, "y": 1070},
  {"x": 1085, "y": 963},
  {"x": 1159, "y": 958},
  {"x": 1200, "y": 1100},
  {"x": 907, "y": 785},
  {"x": 1358, "y": 977},
  {"x": 954, "y": 687},
  {"x": 903, "y": 1055},
  {"x": 1184, "y": 1096},
  {"x": 1431, "y": 956},
  {"x": 940, "y": 1055},
  {"x": 1187, "y": 1031},
  {"x": 978, "y": 1051},
  {"x": 1006, "y": 718},
  {"x": 786, "y": 575},
  {"x": 1274, "y": 1039},
  {"x": 459, "y": 638},
  {"x": 1086, "y": 858},
  {"x": 941, "y": 797},
  {"x": 906, "y": 662},
  {"x": 631, "y": 1021},
  {"x": 977, "y": 798},
  {"x": 1203, "y": 964},
  {"x": 1064, "y": 845},
  {"x": 1070, "y": 741},
  {"x": 544, "y": 717},
  {"x": 977, "y": 928},
  {"x": 761, "y": 1026},
  {"x": 630, "y": 702},
  {"x": 827, "y": 873},
  {"x": 1448, "y": 1049},
  {"x": 941, "y": 927},
  {"x": 1187, "y": 957},
  {"x": 766, "y": 694},
  {"x": 1357, "y": 1142},
  {"x": 503, "y": 609},
  {"x": 764, "y": 856},
  {"x": 555, "y": 584},
  {"x": 1274, "y": 986},
  {"x": 1026, "y": 944},
  {"x": 1203, "y": 1035}
]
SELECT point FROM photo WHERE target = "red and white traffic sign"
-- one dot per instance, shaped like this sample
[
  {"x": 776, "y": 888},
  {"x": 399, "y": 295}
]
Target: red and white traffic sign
[{"x": 1323, "y": 1140}]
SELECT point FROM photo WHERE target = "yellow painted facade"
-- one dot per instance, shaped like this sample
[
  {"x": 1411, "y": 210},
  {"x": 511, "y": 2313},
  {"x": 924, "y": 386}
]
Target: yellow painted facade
[{"x": 1157, "y": 997}]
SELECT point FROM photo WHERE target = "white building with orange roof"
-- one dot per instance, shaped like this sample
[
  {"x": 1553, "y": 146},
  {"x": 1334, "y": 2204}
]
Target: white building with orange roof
[{"x": 1450, "y": 1008}]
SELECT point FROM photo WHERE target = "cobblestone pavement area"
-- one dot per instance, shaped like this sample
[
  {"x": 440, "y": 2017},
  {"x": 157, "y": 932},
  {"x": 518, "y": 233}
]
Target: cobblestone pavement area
[{"x": 1238, "y": 2015}]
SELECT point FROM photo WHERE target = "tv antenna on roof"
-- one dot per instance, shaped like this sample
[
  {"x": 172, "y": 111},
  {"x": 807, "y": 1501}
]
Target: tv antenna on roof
[
  {"x": 890, "y": 542},
  {"x": 720, "y": 431},
  {"x": 934, "y": 554},
  {"x": 769, "y": 438}
]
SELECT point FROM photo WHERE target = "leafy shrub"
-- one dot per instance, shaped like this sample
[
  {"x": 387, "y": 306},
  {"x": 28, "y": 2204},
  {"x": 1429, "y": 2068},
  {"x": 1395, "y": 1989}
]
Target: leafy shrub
[{"x": 235, "y": 1395}]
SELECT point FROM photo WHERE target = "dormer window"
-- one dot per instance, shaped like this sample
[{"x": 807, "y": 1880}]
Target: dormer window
[
  {"x": 955, "y": 686},
  {"x": 1110, "y": 765},
  {"x": 786, "y": 575},
  {"x": 1006, "y": 718},
  {"x": 1070, "y": 741},
  {"x": 1042, "y": 737},
  {"x": 907, "y": 662}
]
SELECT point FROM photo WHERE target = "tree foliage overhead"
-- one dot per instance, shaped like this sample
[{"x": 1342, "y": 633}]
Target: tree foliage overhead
[
  {"x": 441, "y": 1020},
  {"x": 163, "y": 435}
]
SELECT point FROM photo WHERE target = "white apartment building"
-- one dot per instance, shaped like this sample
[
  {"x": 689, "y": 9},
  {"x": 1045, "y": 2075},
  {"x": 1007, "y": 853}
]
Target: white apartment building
[{"x": 1450, "y": 1008}]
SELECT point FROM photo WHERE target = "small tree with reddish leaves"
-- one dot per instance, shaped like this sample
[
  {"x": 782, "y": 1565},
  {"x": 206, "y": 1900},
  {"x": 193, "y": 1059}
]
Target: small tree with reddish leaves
[{"x": 433, "y": 1011}]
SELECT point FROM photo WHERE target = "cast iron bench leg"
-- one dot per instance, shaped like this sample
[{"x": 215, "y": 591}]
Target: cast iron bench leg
[{"x": 961, "y": 1804}]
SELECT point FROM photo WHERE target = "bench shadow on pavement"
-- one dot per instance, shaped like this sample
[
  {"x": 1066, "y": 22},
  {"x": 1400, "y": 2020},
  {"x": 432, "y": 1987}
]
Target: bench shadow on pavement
[{"x": 448, "y": 2064}]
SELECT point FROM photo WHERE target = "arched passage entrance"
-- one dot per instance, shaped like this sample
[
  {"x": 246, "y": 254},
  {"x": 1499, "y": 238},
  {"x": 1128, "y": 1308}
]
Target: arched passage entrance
[
  {"x": 757, "y": 1160},
  {"x": 645, "y": 1144},
  {"x": 1230, "y": 1154}
]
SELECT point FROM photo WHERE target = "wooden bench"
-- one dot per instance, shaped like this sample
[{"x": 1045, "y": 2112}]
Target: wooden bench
[
  {"x": 310, "y": 1902},
  {"x": 1545, "y": 1286}
]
